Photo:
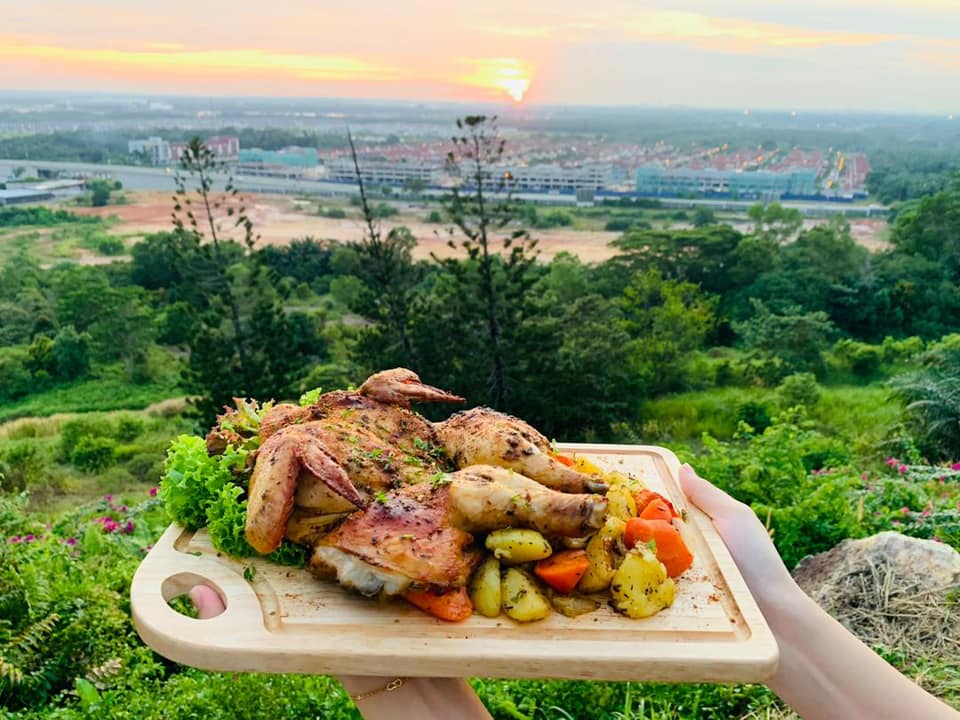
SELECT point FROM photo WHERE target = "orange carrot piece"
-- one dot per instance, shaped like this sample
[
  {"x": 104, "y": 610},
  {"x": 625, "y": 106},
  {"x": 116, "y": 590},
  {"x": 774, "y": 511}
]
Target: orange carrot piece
[
  {"x": 644, "y": 497},
  {"x": 670, "y": 548},
  {"x": 657, "y": 510},
  {"x": 452, "y": 605},
  {"x": 563, "y": 570},
  {"x": 569, "y": 462}
]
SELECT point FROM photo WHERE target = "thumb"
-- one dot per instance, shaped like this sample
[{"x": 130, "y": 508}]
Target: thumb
[
  {"x": 706, "y": 496},
  {"x": 208, "y": 602}
]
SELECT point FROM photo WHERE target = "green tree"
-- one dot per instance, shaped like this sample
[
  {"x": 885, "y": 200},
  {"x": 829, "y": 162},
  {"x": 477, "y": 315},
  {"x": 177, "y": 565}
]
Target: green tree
[
  {"x": 667, "y": 320},
  {"x": 384, "y": 264},
  {"x": 793, "y": 338},
  {"x": 71, "y": 353},
  {"x": 241, "y": 337},
  {"x": 775, "y": 222},
  {"x": 100, "y": 192},
  {"x": 931, "y": 399},
  {"x": 703, "y": 216},
  {"x": 479, "y": 207}
]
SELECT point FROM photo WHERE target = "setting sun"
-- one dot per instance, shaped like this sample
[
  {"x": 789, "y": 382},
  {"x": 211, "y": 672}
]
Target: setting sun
[{"x": 503, "y": 75}]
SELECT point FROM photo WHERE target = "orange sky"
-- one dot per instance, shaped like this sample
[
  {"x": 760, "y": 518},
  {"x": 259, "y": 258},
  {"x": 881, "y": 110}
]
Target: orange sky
[{"x": 776, "y": 53}]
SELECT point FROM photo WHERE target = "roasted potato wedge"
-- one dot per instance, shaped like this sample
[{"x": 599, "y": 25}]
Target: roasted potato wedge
[
  {"x": 601, "y": 551},
  {"x": 514, "y": 546},
  {"x": 640, "y": 586},
  {"x": 621, "y": 503},
  {"x": 485, "y": 588},
  {"x": 521, "y": 597},
  {"x": 573, "y": 605},
  {"x": 581, "y": 464}
]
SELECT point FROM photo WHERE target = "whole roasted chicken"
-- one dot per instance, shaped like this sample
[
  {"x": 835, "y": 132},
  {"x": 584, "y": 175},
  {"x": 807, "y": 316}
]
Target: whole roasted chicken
[{"x": 388, "y": 499}]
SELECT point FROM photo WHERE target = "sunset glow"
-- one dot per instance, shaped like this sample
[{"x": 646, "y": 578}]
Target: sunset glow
[{"x": 722, "y": 53}]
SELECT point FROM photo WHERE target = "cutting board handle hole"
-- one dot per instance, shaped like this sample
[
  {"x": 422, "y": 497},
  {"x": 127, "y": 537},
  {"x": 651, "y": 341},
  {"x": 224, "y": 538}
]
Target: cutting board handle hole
[{"x": 175, "y": 588}]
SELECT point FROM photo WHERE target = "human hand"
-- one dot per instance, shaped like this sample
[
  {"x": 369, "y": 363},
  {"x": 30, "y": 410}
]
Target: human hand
[{"x": 747, "y": 540}]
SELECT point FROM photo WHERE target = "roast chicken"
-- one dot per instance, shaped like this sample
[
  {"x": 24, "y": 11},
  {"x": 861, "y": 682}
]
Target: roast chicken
[
  {"x": 485, "y": 436},
  {"x": 422, "y": 535},
  {"x": 388, "y": 499}
]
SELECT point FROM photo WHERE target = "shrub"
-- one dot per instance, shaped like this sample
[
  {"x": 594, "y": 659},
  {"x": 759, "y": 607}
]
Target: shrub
[
  {"x": 799, "y": 389},
  {"x": 15, "y": 378},
  {"x": 111, "y": 246},
  {"x": 618, "y": 225},
  {"x": 71, "y": 353},
  {"x": 128, "y": 428},
  {"x": 93, "y": 453},
  {"x": 333, "y": 212},
  {"x": 862, "y": 359},
  {"x": 755, "y": 415},
  {"x": 21, "y": 467},
  {"x": 897, "y": 351}
]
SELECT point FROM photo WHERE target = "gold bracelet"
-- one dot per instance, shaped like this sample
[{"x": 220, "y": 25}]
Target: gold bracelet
[{"x": 394, "y": 684}]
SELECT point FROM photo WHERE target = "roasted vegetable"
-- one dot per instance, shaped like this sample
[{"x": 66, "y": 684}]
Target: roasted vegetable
[
  {"x": 521, "y": 598},
  {"x": 563, "y": 570},
  {"x": 452, "y": 605},
  {"x": 640, "y": 586},
  {"x": 601, "y": 552},
  {"x": 573, "y": 605},
  {"x": 621, "y": 504},
  {"x": 586, "y": 467},
  {"x": 515, "y": 546},
  {"x": 668, "y": 544},
  {"x": 485, "y": 588}
]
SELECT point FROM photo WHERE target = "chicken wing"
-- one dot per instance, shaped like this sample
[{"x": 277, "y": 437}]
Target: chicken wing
[
  {"x": 327, "y": 466},
  {"x": 485, "y": 436}
]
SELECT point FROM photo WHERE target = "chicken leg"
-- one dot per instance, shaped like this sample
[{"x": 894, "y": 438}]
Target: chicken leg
[
  {"x": 421, "y": 535},
  {"x": 485, "y": 436}
]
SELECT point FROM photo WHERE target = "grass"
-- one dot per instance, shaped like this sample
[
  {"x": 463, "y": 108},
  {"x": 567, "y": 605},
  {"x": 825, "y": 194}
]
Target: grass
[
  {"x": 861, "y": 413},
  {"x": 89, "y": 396}
]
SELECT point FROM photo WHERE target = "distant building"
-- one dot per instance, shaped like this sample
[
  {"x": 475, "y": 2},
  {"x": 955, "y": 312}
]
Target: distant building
[
  {"x": 558, "y": 178},
  {"x": 380, "y": 172},
  {"x": 653, "y": 180},
  {"x": 155, "y": 149},
  {"x": 160, "y": 152},
  {"x": 288, "y": 162},
  {"x": 17, "y": 197}
]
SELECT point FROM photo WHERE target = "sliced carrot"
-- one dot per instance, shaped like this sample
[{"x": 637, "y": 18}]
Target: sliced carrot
[
  {"x": 563, "y": 570},
  {"x": 658, "y": 509},
  {"x": 452, "y": 605},
  {"x": 670, "y": 548},
  {"x": 644, "y": 497},
  {"x": 569, "y": 462}
]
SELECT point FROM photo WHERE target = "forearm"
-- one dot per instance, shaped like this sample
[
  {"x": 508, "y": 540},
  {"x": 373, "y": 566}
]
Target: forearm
[
  {"x": 416, "y": 699},
  {"x": 826, "y": 673}
]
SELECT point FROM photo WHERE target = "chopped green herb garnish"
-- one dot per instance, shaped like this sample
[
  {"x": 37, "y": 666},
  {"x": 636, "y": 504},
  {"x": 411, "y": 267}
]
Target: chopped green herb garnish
[
  {"x": 381, "y": 497},
  {"x": 440, "y": 479}
]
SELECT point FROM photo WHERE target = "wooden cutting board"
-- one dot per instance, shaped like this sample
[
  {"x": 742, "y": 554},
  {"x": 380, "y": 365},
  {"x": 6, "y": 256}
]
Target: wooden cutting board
[{"x": 285, "y": 620}]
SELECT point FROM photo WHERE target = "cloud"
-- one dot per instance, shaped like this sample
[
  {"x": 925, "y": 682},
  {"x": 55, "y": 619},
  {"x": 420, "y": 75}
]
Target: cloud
[
  {"x": 172, "y": 58},
  {"x": 736, "y": 35}
]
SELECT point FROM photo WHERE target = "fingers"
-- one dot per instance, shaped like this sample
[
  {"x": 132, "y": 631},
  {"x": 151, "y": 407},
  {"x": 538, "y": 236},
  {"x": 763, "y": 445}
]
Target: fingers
[
  {"x": 709, "y": 498},
  {"x": 208, "y": 602}
]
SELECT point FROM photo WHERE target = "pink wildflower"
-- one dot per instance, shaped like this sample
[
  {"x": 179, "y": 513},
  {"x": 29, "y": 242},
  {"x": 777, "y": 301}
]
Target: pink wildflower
[
  {"x": 894, "y": 522},
  {"x": 863, "y": 476},
  {"x": 128, "y": 527},
  {"x": 153, "y": 492},
  {"x": 71, "y": 541},
  {"x": 108, "y": 498},
  {"x": 955, "y": 466},
  {"x": 902, "y": 469},
  {"x": 14, "y": 539},
  {"x": 891, "y": 461},
  {"x": 29, "y": 538},
  {"x": 905, "y": 510}
]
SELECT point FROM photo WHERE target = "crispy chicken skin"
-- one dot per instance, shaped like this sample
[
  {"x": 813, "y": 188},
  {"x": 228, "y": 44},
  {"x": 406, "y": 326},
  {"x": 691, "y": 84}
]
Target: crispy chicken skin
[
  {"x": 327, "y": 466},
  {"x": 485, "y": 436},
  {"x": 381, "y": 405},
  {"x": 424, "y": 532}
]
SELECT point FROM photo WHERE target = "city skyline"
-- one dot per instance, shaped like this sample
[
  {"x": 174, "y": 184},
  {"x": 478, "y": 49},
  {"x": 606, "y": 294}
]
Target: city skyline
[{"x": 885, "y": 55}]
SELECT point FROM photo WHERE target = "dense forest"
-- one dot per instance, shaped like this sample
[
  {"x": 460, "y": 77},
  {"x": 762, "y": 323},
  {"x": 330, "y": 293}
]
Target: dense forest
[{"x": 812, "y": 378}]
